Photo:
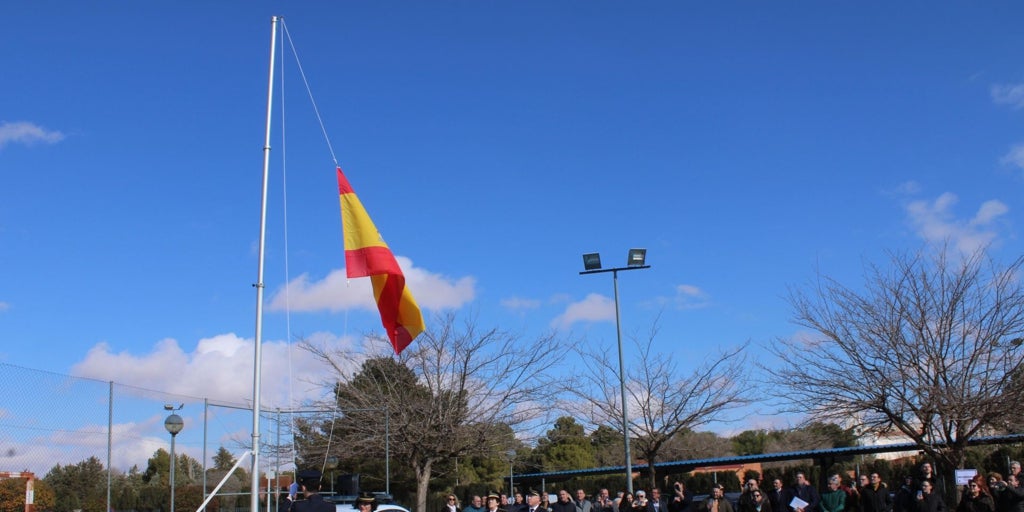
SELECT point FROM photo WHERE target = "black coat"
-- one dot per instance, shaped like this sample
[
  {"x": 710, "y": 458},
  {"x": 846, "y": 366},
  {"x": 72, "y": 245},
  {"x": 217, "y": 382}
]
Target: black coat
[
  {"x": 872, "y": 500},
  {"x": 931, "y": 502},
  {"x": 684, "y": 503},
  {"x": 313, "y": 503},
  {"x": 779, "y": 499},
  {"x": 983, "y": 503}
]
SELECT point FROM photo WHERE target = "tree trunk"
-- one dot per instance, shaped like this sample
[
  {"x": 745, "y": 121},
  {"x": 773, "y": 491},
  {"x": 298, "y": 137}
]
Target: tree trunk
[{"x": 423, "y": 471}]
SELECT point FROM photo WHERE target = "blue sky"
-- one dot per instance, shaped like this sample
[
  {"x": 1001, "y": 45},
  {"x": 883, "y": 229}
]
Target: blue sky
[{"x": 746, "y": 145}]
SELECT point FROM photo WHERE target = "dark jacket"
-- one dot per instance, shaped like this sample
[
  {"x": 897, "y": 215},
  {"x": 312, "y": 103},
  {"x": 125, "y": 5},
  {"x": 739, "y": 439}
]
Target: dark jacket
[
  {"x": 931, "y": 502},
  {"x": 875, "y": 500},
  {"x": 684, "y": 503},
  {"x": 983, "y": 503},
  {"x": 559, "y": 506},
  {"x": 662, "y": 505},
  {"x": 1010, "y": 499},
  {"x": 809, "y": 494},
  {"x": 313, "y": 503},
  {"x": 779, "y": 499}
]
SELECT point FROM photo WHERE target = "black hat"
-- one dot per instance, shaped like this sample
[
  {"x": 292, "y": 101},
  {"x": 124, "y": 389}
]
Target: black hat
[
  {"x": 494, "y": 495},
  {"x": 533, "y": 492},
  {"x": 309, "y": 475},
  {"x": 366, "y": 497}
]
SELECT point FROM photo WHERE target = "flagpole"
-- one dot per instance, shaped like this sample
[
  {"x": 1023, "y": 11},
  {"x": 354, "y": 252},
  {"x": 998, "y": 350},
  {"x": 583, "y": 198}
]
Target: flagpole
[{"x": 254, "y": 497}]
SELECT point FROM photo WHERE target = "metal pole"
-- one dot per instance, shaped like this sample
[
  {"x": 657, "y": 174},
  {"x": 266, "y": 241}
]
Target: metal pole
[
  {"x": 511, "y": 481},
  {"x": 254, "y": 493},
  {"x": 622, "y": 387},
  {"x": 172, "y": 472},
  {"x": 110, "y": 438},
  {"x": 387, "y": 450},
  {"x": 206, "y": 422}
]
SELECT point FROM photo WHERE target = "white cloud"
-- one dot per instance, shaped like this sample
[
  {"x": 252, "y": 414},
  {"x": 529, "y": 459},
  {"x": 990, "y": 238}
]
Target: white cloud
[
  {"x": 337, "y": 292},
  {"x": 26, "y": 133},
  {"x": 1012, "y": 95},
  {"x": 593, "y": 308},
  {"x": 4, "y": 306},
  {"x": 690, "y": 297},
  {"x": 518, "y": 303},
  {"x": 935, "y": 222},
  {"x": 220, "y": 367},
  {"x": 1014, "y": 157}
]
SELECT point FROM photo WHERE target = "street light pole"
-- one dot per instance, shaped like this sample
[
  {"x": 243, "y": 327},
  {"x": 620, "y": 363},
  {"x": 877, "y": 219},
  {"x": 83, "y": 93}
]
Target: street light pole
[
  {"x": 173, "y": 424},
  {"x": 592, "y": 265},
  {"x": 511, "y": 483}
]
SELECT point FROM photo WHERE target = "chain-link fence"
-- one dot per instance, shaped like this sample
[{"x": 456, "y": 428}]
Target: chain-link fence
[{"x": 49, "y": 420}]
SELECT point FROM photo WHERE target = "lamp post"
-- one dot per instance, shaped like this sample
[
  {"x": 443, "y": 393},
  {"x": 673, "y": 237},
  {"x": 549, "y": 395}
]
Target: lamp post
[
  {"x": 332, "y": 464},
  {"x": 592, "y": 265},
  {"x": 173, "y": 424},
  {"x": 511, "y": 483}
]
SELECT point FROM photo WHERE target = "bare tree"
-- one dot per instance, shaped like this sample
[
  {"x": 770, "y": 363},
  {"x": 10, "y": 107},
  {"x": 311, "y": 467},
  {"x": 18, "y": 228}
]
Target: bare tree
[
  {"x": 452, "y": 393},
  {"x": 928, "y": 348},
  {"x": 661, "y": 401}
]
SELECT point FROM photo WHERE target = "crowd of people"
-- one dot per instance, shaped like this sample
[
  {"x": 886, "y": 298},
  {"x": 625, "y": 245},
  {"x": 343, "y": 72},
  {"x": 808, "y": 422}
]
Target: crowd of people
[{"x": 921, "y": 493}]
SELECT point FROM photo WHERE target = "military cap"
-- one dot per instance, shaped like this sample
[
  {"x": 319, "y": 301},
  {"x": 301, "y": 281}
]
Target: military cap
[
  {"x": 366, "y": 497},
  {"x": 309, "y": 475}
]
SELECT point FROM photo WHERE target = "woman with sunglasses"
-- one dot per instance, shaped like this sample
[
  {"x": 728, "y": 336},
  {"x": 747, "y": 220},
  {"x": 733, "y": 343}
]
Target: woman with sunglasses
[{"x": 977, "y": 498}]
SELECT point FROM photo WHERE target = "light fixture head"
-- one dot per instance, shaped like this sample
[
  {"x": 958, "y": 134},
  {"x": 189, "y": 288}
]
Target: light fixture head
[
  {"x": 592, "y": 261},
  {"x": 636, "y": 257},
  {"x": 174, "y": 424}
]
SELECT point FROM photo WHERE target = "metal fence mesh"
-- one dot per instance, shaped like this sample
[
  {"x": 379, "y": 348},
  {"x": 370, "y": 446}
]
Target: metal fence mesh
[{"x": 48, "y": 419}]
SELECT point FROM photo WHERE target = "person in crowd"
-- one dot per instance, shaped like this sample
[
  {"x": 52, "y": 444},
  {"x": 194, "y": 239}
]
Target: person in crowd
[
  {"x": 366, "y": 502},
  {"x": 874, "y": 497},
  {"x": 476, "y": 504},
  {"x": 747, "y": 495},
  {"x": 906, "y": 496},
  {"x": 758, "y": 502},
  {"x": 657, "y": 503},
  {"x": 716, "y": 502},
  {"x": 1015, "y": 470},
  {"x": 535, "y": 502},
  {"x": 626, "y": 503},
  {"x": 681, "y": 499},
  {"x": 582, "y": 503},
  {"x": 518, "y": 503},
  {"x": 604, "y": 502},
  {"x": 504, "y": 502},
  {"x": 928, "y": 500},
  {"x": 779, "y": 497},
  {"x": 926, "y": 473},
  {"x": 977, "y": 497},
  {"x": 309, "y": 484},
  {"x": 806, "y": 492},
  {"x": 1011, "y": 496},
  {"x": 852, "y": 496},
  {"x": 834, "y": 499},
  {"x": 564, "y": 502},
  {"x": 452, "y": 504},
  {"x": 493, "y": 502},
  {"x": 996, "y": 485},
  {"x": 641, "y": 502}
]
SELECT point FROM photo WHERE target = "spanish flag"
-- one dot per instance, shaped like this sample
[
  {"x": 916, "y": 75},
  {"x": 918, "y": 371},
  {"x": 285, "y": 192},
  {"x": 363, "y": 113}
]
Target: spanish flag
[{"x": 366, "y": 254}]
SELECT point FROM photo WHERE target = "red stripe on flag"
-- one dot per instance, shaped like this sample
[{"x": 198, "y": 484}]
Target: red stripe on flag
[{"x": 369, "y": 261}]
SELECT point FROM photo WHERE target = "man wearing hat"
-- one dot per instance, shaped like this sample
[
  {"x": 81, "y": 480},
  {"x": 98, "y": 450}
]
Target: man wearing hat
[
  {"x": 493, "y": 500},
  {"x": 533, "y": 502},
  {"x": 309, "y": 482},
  {"x": 366, "y": 502}
]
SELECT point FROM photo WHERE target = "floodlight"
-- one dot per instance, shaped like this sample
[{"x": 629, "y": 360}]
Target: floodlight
[
  {"x": 592, "y": 261},
  {"x": 636, "y": 257}
]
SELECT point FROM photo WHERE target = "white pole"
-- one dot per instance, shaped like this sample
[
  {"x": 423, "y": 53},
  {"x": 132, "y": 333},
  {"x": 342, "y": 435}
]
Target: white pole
[{"x": 254, "y": 498}]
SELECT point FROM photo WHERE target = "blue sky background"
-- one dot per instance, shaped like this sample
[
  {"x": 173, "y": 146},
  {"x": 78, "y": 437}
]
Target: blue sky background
[{"x": 746, "y": 145}]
